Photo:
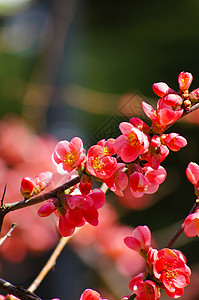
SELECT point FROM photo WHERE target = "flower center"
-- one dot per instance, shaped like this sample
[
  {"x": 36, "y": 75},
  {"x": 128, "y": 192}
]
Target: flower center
[
  {"x": 170, "y": 273},
  {"x": 132, "y": 139},
  {"x": 97, "y": 164},
  {"x": 70, "y": 159},
  {"x": 106, "y": 151}
]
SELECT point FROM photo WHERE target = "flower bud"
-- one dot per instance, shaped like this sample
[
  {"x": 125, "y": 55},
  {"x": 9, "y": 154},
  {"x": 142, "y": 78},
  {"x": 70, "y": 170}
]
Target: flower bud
[
  {"x": 43, "y": 180},
  {"x": 160, "y": 89},
  {"x": 173, "y": 100},
  {"x": 27, "y": 187},
  {"x": 85, "y": 184},
  {"x": 47, "y": 208},
  {"x": 185, "y": 80},
  {"x": 194, "y": 95}
]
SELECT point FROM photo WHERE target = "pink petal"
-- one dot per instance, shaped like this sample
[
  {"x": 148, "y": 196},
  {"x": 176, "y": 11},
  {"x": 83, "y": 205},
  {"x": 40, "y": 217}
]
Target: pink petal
[
  {"x": 65, "y": 228},
  {"x": 192, "y": 173},
  {"x": 148, "y": 110},
  {"x": 98, "y": 197}
]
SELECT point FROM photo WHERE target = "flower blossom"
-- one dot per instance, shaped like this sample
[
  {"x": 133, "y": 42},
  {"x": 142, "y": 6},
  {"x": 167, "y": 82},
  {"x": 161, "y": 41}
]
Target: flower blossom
[
  {"x": 146, "y": 180},
  {"x": 192, "y": 173},
  {"x": 140, "y": 240},
  {"x": 90, "y": 294},
  {"x": 131, "y": 143},
  {"x": 99, "y": 163},
  {"x": 171, "y": 270},
  {"x": 74, "y": 210},
  {"x": 118, "y": 181},
  {"x": 69, "y": 156},
  {"x": 30, "y": 187},
  {"x": 191, "y": 224},
  {"x": 144, "y": 289},
  {"x": 174, "y": 141},
  {"x": 163, "y": 116}
]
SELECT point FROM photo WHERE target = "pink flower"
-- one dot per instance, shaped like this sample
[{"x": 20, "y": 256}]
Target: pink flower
[
  {"x": 185, "y": 80},
  {"x": 163, "y": 116},
  {"x": 140, "y": 240},
  {"x": 107, "y": 146},
  {"x": 142, "y": 126},
  {"x": 75, "y": 210},
  {"x": 69, "y": 155},
  {"x": 155, "y": 154},
  {"x": 99, "y": 163},
  {"x": 144, "y": 289},
  {"x": 90, "y": 294},
  {"x": 118, "y": 181},
  {"x": 191, "y": 224},
  {"x": 192, "y": 173},
  {"x": 174, "y": 141},
  {"x": 30, "y": 187},
  {"x": 146, "y": 180},
  {"x": 170, "y": 268},
  {"x": 131, "y": 143}
]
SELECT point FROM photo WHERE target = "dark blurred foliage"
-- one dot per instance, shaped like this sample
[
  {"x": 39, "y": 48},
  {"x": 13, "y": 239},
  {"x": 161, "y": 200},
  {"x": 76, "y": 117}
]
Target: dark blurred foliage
[{"x": 64, "y": 65}]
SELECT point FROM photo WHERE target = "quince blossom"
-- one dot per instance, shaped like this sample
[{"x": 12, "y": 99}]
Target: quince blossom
[
  {"x": 144, "y": 289},
  {"x": 69, "y": 156},
  {"x": 191, "y": 224},
  {"x": 131, "y": 143},
  {"x": 118, "y": 181},
  {"x": 99, "y": 163},
  {"x": 140, "y": 240},
  {"x": 163, "y": 116},
  {"x": 174, "y": 141},
  {"x": 74, "y": 210},
  {"x": 170, "y": 269},
  {"x": 146, "y": 180},
  {"x": 90, "y": 294}
]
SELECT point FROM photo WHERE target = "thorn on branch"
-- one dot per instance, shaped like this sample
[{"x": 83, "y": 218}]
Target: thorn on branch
[{"x": 3, "y": 196}]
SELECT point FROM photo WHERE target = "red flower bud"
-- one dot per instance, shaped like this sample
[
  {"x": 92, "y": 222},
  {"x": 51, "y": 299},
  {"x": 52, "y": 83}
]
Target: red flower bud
[{"x": 27, "y": 187}]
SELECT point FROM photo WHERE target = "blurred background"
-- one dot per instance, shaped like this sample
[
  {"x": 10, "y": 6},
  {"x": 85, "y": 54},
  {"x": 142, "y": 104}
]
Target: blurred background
[{"x": 78, "y": 68}]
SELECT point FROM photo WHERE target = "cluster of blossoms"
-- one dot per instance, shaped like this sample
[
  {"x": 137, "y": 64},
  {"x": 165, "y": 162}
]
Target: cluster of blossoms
[
  {"x": 166, "y": 268},
  {"x": 131, "y": 160}
]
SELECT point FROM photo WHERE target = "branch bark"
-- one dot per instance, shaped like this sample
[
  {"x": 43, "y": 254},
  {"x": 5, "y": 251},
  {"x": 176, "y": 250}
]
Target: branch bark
[
  {"x": 17, "y": 291},
  {"x": 6, "y": 208}
]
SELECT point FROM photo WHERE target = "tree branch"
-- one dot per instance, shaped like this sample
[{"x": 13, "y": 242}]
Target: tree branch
[
  {"x": 17, "y": 291},
  {"x": 6, "y": 208}
]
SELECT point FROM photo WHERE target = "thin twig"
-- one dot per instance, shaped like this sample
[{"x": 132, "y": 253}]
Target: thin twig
[
  {"x": 17, "y": 291},
  {"x": 50, "y": 263},
  {"x": 7, "y": 234},
  {"x": 181, "y": 228},
  {"x": 132, "y": 296}
]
